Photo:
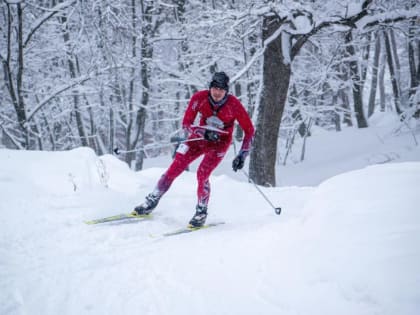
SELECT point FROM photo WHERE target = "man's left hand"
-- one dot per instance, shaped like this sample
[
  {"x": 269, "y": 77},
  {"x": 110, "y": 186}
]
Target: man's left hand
[{"x": 238, "y": 162}]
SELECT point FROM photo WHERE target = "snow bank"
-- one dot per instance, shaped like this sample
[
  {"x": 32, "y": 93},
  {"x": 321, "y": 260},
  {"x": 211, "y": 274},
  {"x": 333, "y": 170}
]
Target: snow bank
[
  {"x": 361, "y": 234},
  {"x": 55, "y": 172},
  {"x": 348, "y": 246}
]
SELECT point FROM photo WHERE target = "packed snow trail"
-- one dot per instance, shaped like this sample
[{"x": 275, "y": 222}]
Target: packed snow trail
[{"x": 348, "y": 246}]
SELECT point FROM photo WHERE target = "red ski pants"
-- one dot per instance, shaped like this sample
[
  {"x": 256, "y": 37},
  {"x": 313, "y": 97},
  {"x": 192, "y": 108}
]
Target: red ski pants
[{"x": 213, "y": 154}]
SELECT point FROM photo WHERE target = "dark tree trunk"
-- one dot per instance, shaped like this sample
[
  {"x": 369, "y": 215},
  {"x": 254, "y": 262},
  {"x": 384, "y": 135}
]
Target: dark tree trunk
[
  {"x": 381, "y": 80},
  {"x": 374, "y": 82},
  {"x": 271, "y": 105},
  {"x": 14, "y": 84},
  {"x": 392, "y": 71},
  {"x": 132, "y": 119},
  {"x": 414, "y": 71},
  {"x": 146, "y": 56},
  {"x": 412, "y": 57},
  {"x": 357, "y": 83}
]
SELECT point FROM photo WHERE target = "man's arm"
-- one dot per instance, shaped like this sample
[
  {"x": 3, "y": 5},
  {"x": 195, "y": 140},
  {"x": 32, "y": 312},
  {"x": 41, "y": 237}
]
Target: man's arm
[
  {"x": 190, "y": 114},
  {"x": 246, "y": 124}
]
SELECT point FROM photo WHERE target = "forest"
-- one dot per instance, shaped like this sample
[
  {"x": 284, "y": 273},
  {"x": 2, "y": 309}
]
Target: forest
[{"x": 119, "y": 74}]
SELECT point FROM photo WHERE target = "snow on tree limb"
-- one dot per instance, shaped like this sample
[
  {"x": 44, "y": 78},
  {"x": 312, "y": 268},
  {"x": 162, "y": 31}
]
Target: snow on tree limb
[
  {"x": 298, "y": 22},
  {"x": 348, "y": 21},
  {"x": 388, "y": 17},
  {"x": 258, "y": 54},
  {"x": 47, "y": 15},
  {"x": 57, "y": 92}
]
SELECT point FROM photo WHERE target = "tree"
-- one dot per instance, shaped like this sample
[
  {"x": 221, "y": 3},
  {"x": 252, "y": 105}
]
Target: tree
[
  {"x": 284, "y": 37},
  {"x": 276, "y": 78},
  {"x": 284, "y": 34},
  {"x": 413, "y": 45},
  {"x": 375, "y": 68},
  {"x": 390, "y": 57},
  {"x": 120, "y": 73}
]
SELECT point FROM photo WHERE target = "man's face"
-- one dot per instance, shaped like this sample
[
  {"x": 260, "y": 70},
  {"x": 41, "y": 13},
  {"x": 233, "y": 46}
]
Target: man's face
[{"x": 217, "y": 93}]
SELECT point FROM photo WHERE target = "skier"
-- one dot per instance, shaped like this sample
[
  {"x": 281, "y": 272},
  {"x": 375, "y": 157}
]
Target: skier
[{"x": 218, "y": 111}]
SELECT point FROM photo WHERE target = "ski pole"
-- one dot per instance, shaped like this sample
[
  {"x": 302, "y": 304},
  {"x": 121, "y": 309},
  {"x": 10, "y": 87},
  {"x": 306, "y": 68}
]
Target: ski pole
[
  {"x": 117, "y": 150},
  {"x": 277, "y": 210}
]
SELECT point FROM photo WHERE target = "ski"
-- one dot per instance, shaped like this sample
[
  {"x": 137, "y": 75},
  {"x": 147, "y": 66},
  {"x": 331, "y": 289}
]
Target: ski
[
  {"x": 120, "y": 217},
  {"x": 190, "y": 229}
]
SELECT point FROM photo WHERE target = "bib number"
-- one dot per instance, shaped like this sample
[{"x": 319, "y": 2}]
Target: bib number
[{"x": 182, "y": 149}]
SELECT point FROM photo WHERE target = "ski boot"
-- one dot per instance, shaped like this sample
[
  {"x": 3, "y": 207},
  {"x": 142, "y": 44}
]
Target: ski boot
[
  {"x": 147, "y": 206},
  {"x": 199, "y": 217}
]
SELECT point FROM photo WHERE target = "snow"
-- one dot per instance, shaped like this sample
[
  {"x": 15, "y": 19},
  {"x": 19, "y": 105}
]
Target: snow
[
  {"x": 354, "y": 8},
  {"x": 14, "y": 1},
  {"x": 345, "y": 243},
  {"x": 394, "y": 15}
]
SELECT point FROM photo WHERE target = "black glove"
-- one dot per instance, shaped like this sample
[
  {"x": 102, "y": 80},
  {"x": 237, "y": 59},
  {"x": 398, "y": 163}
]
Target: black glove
[
  {"x": 211, "y": 135},
  {"x": 238, "y": 162}
]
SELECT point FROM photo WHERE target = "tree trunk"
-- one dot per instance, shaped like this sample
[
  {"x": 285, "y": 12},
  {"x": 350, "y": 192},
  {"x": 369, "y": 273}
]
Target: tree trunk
[
  {"x": 238, "y": 93},
  {"x": 412, "y": 57},
  {"x": 346, "y": 108},
  {"x": 357, "y": 82},
  {"x": 365, "y": 58},
  {"x": 414, "y": 72},
  {"x": 132, "y": 117},
  {"x": 374, "y": 82},
  {"x": 397, "y": 64},
  {"x": 146, "y": 56},
  {"x": 19, "y": 76},
  {"x": 276, "y": 81},
  {"x": 392, "y": 71},
  {"x": 15, "y": 88},
  {"x": 381, "y": 79}
]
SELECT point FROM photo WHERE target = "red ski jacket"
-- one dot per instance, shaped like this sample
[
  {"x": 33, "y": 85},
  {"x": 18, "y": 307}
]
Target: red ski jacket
[{"x": 232, "y": 110}]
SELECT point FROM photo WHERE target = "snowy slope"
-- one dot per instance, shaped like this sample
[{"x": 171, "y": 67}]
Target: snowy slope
[{"x": 346, "y": 246}]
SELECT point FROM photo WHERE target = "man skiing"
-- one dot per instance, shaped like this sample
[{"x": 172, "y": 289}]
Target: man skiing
[{"x": 218, "y": 111}]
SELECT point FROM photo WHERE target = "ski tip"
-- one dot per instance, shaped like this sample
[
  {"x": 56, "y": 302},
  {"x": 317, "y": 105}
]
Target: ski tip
[
  {"x": 189, "y": 228},
  {"x": 119, "y": 217},
  {"x": 192, "y": 227}
]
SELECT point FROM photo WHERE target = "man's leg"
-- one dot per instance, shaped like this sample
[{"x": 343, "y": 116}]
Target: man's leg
[
  {"x": 181, "y": 161},
  {"x": 208, "y": 164},
  {"x": 179, "y": 164}
]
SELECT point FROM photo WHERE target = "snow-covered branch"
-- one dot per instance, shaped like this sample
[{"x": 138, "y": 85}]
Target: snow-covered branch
[
  {"x": 348, "y": 21},
  {"x": 57, "y": 92},
  {"x": 388, "y": 17},
  {"x": 45, "y": 17}
]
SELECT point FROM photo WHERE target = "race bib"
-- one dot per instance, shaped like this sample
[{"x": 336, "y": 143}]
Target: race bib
[
  {"x": 183, "y": 148},
  {"x": 215, "y": 121}
]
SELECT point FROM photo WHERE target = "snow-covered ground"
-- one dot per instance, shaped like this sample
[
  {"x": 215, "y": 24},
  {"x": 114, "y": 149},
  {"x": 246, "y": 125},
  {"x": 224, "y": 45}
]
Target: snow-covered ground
[{"x": 347, "y": 241}]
